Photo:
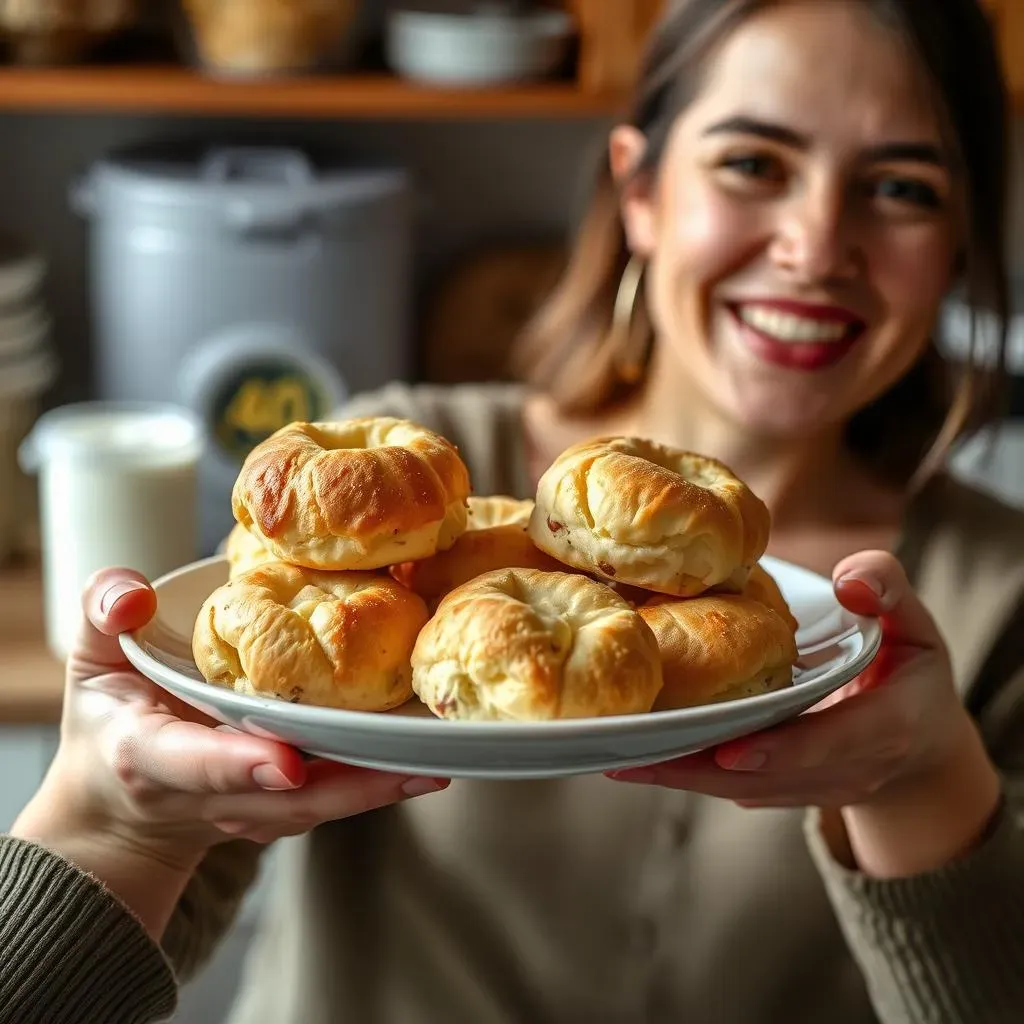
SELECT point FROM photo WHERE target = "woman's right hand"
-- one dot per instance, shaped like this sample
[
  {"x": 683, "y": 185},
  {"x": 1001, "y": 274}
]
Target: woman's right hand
[{"x": 153, "y": 775}]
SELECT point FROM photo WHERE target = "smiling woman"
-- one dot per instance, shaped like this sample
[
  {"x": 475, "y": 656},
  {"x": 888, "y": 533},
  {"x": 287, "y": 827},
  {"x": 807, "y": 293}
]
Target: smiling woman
[
  {"x": 775, "y": 233},
  {"x": 757, "y": 280}
]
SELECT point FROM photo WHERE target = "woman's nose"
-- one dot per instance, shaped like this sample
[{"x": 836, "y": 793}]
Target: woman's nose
[{"x": 813, "y": 240}]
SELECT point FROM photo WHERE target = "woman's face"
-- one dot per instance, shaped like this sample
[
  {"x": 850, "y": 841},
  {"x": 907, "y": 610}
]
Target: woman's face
[{"x": 800, "y": 230}]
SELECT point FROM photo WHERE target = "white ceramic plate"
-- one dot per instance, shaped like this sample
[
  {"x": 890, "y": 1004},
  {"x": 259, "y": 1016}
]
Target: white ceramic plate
[{"x": 834, "y": 647}]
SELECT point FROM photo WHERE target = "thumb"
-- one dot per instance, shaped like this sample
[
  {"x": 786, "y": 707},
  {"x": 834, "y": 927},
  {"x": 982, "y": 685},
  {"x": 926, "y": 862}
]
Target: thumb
[
  {"x": 873, "y": 583},
  {"x": 114, "y": 601}
]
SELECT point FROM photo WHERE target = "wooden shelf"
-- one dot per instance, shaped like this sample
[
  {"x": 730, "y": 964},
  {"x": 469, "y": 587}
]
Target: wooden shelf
[
  {"x": 31, "y": 679},
  {"x": 176, "y": 90}
]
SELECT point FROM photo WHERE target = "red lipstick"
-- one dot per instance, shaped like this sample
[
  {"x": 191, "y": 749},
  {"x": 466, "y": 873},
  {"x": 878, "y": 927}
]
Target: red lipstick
[{"x": 800, "y": 355}]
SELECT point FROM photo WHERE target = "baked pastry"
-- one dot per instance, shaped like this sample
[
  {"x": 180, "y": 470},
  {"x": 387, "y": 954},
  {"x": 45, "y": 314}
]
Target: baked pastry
[
  {"x": 359, "y": 494},
  {"x": 340, "y": 640},
  {"x": 527, "y": 645},
  {"x": 718, "y": 647},
  {"x": 495, "y": 538},
  {"x": 484, "y": 513},
  {"x": 637, "y": 512},
  {"x": 762, "y": 587},
  {"x": 244, "y": 551}
]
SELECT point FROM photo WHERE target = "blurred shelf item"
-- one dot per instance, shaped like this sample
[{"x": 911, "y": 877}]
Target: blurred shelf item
[
  {"x": 611, "y": 36},
  {"x": 32, "y": 681},
  {"x": 177, "y": 90}
]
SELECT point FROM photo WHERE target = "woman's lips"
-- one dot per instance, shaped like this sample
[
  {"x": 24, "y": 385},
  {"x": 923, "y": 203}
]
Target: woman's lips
[{"x": 795, "y": 335}]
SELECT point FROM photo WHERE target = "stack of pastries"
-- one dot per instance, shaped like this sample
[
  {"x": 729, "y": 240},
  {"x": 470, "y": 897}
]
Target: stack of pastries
[{"x": 364, "y": 573}]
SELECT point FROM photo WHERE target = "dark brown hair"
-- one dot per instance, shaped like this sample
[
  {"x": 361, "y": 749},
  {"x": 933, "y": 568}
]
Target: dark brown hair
[{"x": 570, "y": 352}]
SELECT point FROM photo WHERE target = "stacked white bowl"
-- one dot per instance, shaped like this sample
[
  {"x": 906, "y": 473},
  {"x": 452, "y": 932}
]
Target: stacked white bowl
[{"x": 28, "y": 367}]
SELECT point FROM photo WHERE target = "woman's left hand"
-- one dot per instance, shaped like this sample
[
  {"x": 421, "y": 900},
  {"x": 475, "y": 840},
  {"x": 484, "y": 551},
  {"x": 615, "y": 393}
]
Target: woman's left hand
[{"x": 898, "y": 732}]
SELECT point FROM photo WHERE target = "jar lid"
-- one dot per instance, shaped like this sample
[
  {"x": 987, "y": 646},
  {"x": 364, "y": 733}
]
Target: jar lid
[{"x": 142, "y": 434}]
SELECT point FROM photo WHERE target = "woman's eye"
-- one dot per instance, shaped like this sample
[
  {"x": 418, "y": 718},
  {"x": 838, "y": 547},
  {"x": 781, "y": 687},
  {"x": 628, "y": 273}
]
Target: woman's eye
[
  {"x": 763, "y": 167},
  {"x": 907, "y": 190}
]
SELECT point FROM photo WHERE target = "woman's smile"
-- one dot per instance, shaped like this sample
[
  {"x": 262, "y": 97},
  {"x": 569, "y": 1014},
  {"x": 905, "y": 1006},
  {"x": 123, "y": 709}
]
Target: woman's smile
[{"x": 796, "y": 335}]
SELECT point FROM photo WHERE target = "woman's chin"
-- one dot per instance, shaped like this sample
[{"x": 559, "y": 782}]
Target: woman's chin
[{"x": 777, "y": 412}]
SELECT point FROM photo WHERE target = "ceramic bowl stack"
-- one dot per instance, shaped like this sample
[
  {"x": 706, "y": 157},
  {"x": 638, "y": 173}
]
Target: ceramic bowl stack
[{"x": 27, "y": 369}]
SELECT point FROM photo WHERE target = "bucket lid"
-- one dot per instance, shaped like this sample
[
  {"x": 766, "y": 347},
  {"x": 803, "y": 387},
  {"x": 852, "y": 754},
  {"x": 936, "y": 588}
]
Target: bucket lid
[
  {"x": 204, "y": 179},
  {"x": 27, "y": 376},
  {"x": 122, "y": 433}
]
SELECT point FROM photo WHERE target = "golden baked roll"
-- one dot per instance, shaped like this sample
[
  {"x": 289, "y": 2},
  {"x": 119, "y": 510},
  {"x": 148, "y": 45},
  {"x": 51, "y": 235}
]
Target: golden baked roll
[
  {"x": 358, "y": 494},
  {"x": 718, "y": 647},
  {"x": 762, "y": 587},
  {"x": 495, "y": 538},
  {"x": 244, "y": 551},
  {"x": 637, "y": 512},
  {"x": 494, "y": 510},
  {"x": 333, "y": 639},
  {"x": 527, "y": 645}
]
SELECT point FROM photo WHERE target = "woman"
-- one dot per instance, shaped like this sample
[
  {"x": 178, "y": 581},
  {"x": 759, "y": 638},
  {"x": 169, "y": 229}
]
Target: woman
[{"x": 758, "y": 278}]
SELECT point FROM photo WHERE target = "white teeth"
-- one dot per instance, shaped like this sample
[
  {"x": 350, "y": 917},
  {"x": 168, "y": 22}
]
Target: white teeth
[{"x": 787, "y": 327}]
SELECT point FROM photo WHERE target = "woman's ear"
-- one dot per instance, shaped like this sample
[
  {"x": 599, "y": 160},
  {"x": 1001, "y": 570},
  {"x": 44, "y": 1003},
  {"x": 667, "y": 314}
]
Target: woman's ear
[{"x": 626, "y": 148}]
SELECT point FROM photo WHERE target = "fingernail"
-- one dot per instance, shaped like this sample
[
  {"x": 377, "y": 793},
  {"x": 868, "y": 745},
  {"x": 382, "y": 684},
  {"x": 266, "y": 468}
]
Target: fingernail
[
  {"x": 748, "y": 761},
  {"x": 643, "y": 776},
  {"x": 874, "y": 585},
  {"x": 421, "y": 787},
  {"x": 269, "y": 776},
  {"x": 117, "y": 591}
]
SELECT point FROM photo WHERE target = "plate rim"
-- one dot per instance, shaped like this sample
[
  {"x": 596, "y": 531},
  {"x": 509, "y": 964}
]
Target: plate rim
[{"x": 410, "y": 726}]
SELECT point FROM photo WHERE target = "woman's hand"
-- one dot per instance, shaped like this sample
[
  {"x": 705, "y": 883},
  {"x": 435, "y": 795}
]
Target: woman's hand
[
  {"x": 141, "y": 778},
  {"x": 894, "y": 749}
]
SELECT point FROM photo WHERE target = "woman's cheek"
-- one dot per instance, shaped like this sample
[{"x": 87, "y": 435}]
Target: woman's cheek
[
  {"x": 915, "y": 273},
  {"x": 709, "y": 234}
]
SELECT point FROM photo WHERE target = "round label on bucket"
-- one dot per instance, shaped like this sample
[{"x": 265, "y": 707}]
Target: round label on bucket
[
  {"x": 260, "y": 398},
  {"x": 249, "y": 380}
]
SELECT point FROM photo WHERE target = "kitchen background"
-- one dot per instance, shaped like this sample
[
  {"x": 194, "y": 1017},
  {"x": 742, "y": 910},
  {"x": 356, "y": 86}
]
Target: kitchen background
[{"x": 358, "y": 248}]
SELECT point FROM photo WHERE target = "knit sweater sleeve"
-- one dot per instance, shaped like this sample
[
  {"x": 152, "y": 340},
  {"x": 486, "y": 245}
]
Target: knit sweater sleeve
[
  {"x": 69, "y": 951},
  {"x": 209, "y": 905},
  {"x": 945, "y": 947}
]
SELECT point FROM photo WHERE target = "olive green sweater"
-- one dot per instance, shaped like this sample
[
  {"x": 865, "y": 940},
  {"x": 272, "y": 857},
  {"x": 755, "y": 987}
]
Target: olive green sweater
[{"x": 584, "y": 900}]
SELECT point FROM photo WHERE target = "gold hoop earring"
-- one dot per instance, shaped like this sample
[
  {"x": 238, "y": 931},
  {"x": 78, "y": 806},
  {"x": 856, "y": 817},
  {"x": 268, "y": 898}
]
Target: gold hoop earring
[{"x": 630, "y": 365}]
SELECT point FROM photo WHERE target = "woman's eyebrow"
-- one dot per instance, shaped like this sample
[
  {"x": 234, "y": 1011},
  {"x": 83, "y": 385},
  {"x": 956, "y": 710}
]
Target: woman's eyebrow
[
  {"x": 916, "y": 152},
  {"x": 743, "y": 125},
  {"x": 913, "y": 152}
]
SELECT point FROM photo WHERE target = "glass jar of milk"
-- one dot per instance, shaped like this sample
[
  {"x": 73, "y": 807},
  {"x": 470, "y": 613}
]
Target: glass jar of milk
[{"x": 117, "y": 487}]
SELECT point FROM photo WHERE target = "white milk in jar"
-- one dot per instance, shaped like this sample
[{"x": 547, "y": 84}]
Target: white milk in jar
[{"x": 117, "y": 487}]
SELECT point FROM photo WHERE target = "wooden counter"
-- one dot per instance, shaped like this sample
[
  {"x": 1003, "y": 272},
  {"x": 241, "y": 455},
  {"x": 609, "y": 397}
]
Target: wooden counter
[{"x": 31, "y": 678}]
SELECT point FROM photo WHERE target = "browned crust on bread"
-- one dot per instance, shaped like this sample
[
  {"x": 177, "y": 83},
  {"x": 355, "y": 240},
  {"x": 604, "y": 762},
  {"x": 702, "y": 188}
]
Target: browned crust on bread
[
  {"x": 522, "y": 644},
  {"x": 495, "y": 538},
  {"x": 341, "y": 640},
  {"x": 637, "y": 512},
  {"x": 718, "y": 647},
  {"x": 351, "y": 495}
]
